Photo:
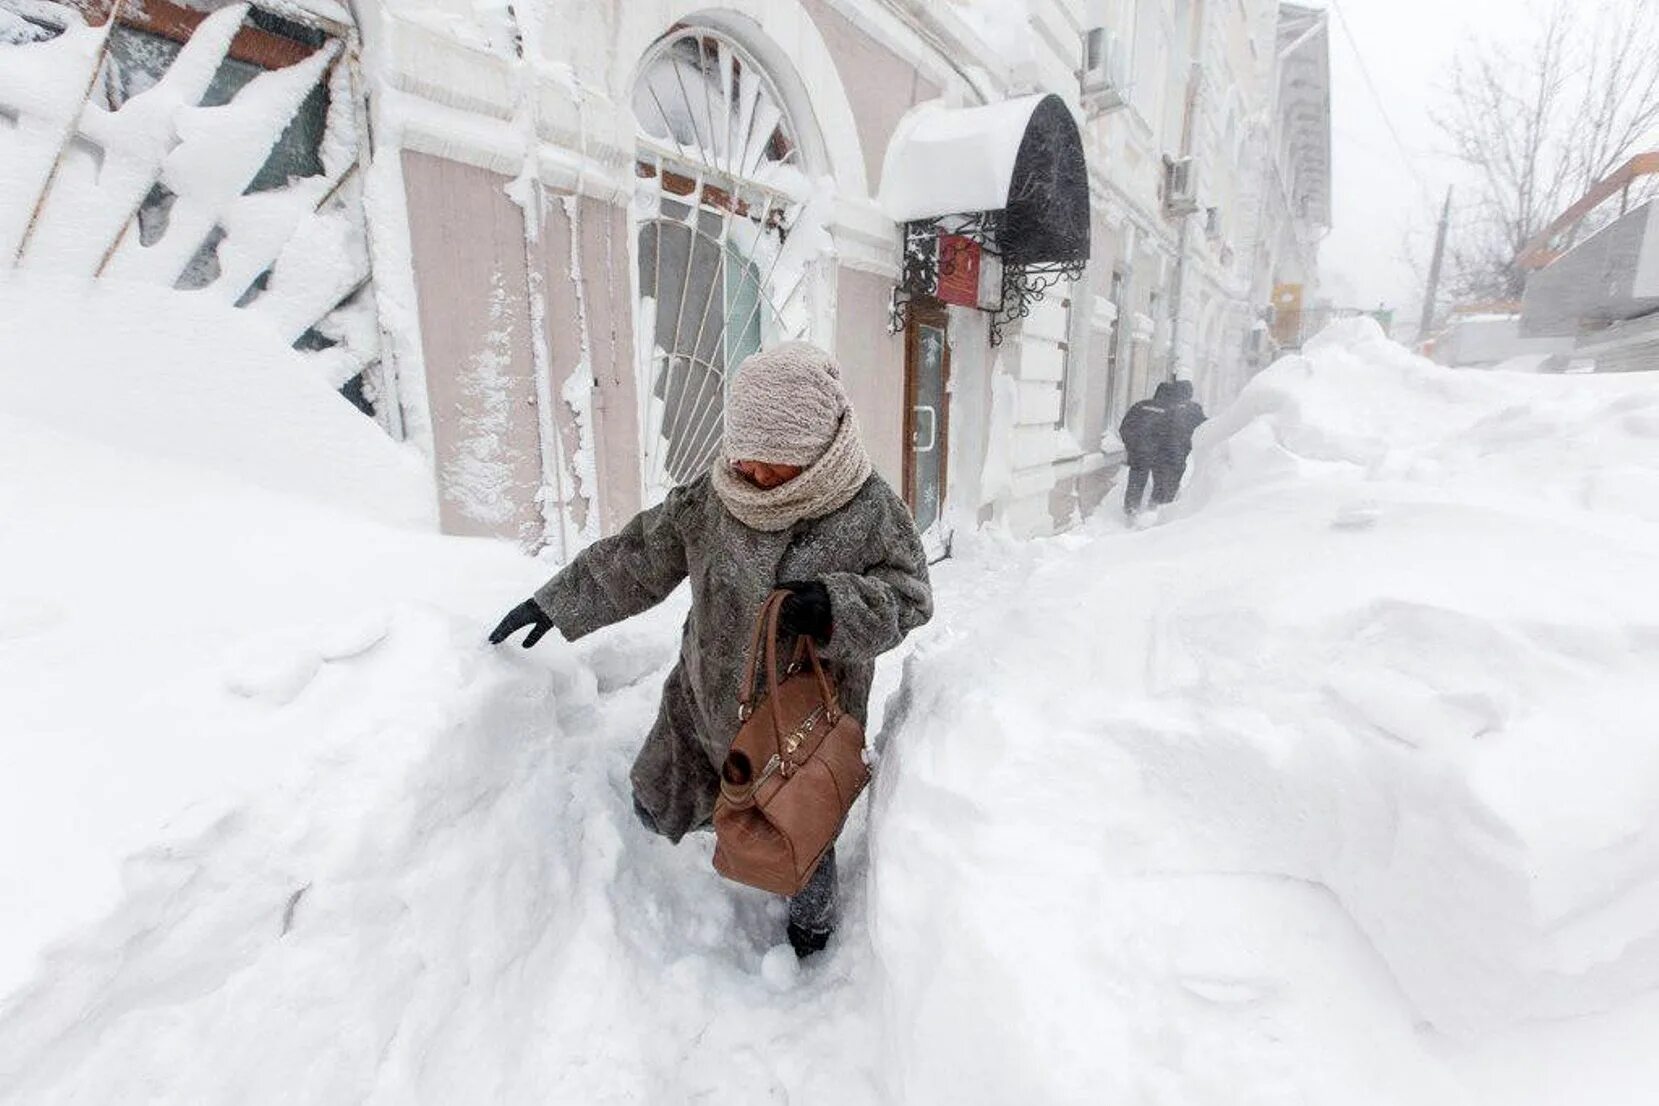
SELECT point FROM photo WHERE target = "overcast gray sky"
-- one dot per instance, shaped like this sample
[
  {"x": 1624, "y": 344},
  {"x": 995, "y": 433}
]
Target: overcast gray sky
[{"x": 1381, "y": 188}]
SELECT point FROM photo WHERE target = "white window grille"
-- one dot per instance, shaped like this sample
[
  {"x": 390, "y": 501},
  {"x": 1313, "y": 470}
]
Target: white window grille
[{"x": 722, "y": 272}]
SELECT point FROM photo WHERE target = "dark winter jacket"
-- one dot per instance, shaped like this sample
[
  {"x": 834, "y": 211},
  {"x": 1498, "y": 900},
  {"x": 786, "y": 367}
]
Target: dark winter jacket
[
  {"x": 1157, "y": 432},
  {"x": 867, "y": 554},
  {"x": 1184, "y": 419},
  {"x": 1145, "y": 429}
]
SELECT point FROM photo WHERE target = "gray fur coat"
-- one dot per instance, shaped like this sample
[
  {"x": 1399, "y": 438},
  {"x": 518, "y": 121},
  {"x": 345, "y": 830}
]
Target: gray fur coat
[{"x": 867, "y": 554}]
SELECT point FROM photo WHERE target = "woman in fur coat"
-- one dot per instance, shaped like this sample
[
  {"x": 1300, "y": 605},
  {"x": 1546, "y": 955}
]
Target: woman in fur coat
[{"x": 791, "y": 502}]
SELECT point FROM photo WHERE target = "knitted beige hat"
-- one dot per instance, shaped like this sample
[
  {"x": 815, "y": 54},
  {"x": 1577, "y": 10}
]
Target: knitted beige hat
[{"x": 784, "y": 405}]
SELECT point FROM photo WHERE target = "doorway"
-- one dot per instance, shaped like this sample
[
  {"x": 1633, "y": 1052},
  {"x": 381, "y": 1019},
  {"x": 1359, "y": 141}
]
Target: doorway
[{"x": 927, "y": 420}]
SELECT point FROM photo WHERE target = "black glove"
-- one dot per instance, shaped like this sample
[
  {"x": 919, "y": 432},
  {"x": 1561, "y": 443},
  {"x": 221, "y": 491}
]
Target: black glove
[
  {"x": 807, "y": 610},
  {"x": 525, "y": 614}
]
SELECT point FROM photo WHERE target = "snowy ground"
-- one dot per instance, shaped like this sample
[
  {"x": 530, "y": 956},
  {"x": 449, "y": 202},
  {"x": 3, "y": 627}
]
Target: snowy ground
[{"x": 1335, "y": 785}]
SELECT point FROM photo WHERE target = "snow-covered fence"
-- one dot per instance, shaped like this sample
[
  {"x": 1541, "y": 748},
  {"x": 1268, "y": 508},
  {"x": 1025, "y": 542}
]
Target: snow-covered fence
[{"x": 216, "y": 154}]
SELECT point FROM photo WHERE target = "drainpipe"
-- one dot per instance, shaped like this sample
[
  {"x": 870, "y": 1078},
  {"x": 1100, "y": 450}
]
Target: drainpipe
[{"x": 1195, "y": 43}]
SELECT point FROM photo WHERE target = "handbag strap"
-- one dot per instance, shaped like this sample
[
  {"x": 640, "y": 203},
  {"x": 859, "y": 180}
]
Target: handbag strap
[
  {"x": 806, "y": 649},
  {"x": 764, "y": 642},
  {"x": 757, "y": 645}
]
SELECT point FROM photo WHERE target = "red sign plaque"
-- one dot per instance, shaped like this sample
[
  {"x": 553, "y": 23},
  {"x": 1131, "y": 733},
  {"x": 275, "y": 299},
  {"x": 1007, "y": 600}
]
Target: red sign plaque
[{"x": 958, "y": 270}]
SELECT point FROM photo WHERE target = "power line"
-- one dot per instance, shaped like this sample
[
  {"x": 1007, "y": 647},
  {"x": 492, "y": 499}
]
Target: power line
[{"x": 1376, "y": 96}]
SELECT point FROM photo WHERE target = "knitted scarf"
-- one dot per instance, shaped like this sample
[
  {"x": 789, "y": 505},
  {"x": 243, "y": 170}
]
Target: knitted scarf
[{"x": 825, "y": 486}]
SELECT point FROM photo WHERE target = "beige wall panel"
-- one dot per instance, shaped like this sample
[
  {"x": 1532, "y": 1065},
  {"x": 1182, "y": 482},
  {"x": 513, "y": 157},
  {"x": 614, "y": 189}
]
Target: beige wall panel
[
  {"x": 610, "y": 300},
  {"x": 607, "y": 296},
  {"x": 872, "y": 366},
  {"x": 467, "y": 249},
  {"x": 880, "y": 86}
]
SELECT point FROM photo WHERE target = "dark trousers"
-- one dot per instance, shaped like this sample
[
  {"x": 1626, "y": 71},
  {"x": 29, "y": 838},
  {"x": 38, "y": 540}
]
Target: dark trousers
[
  {"x": 815, "y": 908},
  {"x": 1166, "y": 481},
  {"x": 1136, "y": 489}
]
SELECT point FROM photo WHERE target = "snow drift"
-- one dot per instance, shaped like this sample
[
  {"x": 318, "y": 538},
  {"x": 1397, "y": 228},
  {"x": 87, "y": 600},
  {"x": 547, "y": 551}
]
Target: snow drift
[
  {"x": 178, "y": 377},
  {"x": 278, "y": 826},
  {"x": 1333, "y": 787},
  {"x": 1396, "y": 646}
]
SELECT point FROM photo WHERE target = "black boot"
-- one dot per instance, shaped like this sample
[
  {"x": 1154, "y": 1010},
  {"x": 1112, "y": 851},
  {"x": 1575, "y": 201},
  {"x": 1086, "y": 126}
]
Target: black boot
[
  {"x": 805, "y": 942},
  {"x": 812, "y": 912}
]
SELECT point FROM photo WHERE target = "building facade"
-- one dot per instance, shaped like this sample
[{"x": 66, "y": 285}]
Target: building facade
[{"x": 533, "y": 240}]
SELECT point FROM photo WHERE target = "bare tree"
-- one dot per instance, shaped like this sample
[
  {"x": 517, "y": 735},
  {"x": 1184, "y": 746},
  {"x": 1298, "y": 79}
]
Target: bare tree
[{"x": 1539, "y": 125}]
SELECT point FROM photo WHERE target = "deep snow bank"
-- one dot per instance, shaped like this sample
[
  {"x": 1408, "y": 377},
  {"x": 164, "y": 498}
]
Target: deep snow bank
[
  {"x": 1583, "y": 445},
  {"x": 1396, "y": 646},
  {"x": 180, "y": 377},
  {"x": 1330, "y": 789},
  {"x": 277, "y": 827},
  {"x": 193, "y": 529}
]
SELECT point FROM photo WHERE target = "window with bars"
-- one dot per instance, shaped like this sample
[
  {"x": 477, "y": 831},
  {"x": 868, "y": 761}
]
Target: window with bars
[{"x": 721, "y": 187}]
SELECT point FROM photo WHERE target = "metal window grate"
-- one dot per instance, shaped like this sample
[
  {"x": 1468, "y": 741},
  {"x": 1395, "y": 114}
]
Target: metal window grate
[{"x": 721, "y": 188}]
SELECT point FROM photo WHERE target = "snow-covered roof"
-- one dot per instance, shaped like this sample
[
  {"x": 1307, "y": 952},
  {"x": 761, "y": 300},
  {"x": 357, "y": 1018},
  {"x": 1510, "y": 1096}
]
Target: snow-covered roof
[{"x": 943, "y": 161}]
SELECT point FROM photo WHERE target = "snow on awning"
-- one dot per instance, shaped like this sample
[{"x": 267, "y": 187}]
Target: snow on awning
[{"x": 1022, "y": 157}]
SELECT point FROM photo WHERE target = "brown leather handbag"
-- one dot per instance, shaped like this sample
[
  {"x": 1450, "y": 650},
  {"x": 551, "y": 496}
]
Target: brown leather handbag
[{"x": 794, "y": 769}]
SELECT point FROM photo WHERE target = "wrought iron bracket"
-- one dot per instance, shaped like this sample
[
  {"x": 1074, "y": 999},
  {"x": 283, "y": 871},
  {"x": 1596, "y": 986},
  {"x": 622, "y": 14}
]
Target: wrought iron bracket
[
  {"x": 898, "y": 310},
  {"x": 1024, "y": 285},
  {"x": 983, "y": 227}
]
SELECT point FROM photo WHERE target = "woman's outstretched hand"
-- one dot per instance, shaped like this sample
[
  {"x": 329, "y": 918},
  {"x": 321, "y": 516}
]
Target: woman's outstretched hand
[
  {"x": 525, "y": 614},
  {"x": 807, "y": 610}
]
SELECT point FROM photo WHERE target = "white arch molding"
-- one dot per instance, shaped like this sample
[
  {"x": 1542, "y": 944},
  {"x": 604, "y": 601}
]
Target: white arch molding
[
  {"x": 783, "y": 39},
  {"x": 733, "y": 191}
]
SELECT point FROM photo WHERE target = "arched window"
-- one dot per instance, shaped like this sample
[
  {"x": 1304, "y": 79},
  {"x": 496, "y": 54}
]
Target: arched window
[{"x": 725, "y": 256}]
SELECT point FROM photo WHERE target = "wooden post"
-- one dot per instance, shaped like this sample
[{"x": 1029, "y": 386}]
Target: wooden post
[
  {"x": 68, "y": 137},
  {"x": 1427, "y": 320}
]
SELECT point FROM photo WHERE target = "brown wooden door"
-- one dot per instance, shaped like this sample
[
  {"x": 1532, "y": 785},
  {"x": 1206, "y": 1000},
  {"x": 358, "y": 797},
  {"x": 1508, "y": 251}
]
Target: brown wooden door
[{"x": 927, "y": 412}]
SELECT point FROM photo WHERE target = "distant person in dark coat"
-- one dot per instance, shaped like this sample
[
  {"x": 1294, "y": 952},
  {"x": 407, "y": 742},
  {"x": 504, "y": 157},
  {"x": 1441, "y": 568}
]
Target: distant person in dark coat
[
  {"x": 1145, "y": 432},
  {"x": 1157, "y": 437},
  {"x": 1184, "y": 418}
]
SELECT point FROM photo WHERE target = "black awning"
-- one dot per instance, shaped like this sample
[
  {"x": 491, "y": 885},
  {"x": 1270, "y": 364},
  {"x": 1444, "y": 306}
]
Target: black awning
[{"x": 1047, "y": 218}]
